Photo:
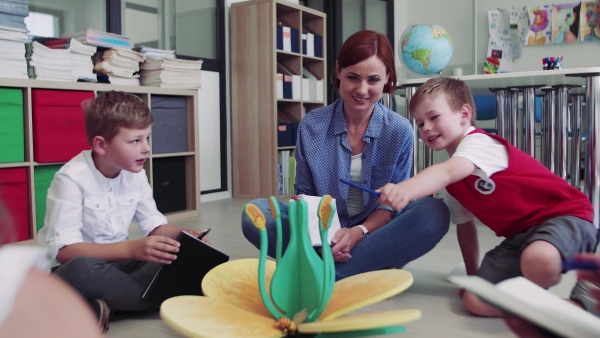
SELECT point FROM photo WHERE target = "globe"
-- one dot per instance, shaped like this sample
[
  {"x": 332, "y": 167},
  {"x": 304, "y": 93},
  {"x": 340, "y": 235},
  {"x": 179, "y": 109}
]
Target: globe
[{"x": 426, "y": 49}]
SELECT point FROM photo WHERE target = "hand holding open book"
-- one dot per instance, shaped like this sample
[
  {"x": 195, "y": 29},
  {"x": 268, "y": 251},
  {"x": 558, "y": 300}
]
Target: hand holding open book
[{"x": 523, "y": 298}]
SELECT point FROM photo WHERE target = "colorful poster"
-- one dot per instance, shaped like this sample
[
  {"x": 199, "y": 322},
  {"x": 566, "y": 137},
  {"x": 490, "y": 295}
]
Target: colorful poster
[
  {"x": 565, "y": 22},
  {"x": 589, "y": 21},
  {"x": 540, "y": 27}
]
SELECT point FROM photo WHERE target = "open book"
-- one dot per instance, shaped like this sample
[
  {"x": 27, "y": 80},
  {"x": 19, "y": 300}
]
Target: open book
[
  {"x": 313, "y": 221},
  {"x": 523, "y": 298}
]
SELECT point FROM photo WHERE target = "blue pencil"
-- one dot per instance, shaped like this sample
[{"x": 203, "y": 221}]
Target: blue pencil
[
  {"x": 583, "y": 265},
  {"x": 363, "y": 188}
]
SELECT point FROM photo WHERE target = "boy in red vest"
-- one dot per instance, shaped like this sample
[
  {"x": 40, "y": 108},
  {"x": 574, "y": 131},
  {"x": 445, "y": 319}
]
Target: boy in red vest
[{"x": 544, "y": 219}]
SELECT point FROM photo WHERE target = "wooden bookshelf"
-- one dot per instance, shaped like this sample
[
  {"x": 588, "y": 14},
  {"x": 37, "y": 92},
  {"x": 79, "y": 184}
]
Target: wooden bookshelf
[
  {"x": 255, "y": 109},
  {"x": 190, "y": 157}
]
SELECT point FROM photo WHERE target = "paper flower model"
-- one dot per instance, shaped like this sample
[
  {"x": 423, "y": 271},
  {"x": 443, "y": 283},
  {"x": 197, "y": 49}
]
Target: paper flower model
[{"x": 303, "y": 296}]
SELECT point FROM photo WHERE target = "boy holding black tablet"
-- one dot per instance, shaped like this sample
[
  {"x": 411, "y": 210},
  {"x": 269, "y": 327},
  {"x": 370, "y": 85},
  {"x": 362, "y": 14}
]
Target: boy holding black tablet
[{"x": 91, "y": 203}]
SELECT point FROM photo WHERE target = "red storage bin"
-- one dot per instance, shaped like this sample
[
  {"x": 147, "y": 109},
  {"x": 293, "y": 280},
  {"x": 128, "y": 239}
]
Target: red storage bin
[
  {"x": 13, "y": 194},
  {"x": 58, "y": 124}
]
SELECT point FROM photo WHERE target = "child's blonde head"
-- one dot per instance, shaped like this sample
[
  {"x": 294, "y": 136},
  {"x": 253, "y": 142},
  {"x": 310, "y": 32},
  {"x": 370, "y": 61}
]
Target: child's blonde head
[
  {"x": 107, "y": 113},
  {"x": 456, "y": 91}
]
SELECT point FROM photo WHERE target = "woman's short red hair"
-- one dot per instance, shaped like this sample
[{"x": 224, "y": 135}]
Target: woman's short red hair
[{"x": 361, "y": 46}]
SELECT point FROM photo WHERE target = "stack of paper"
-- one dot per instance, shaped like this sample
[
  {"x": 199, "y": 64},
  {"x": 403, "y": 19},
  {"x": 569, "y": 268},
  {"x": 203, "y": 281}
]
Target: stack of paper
[
  {"x": 171, "y": 73},
  {"x": 122, "y": 65},
  {"x": 82, "y": 68},
  {"x": 101, "y": 39},
  {"x": 48, "y": 64},
  {"x": 13, "y": 13},
  {"x": 155, "y": 53},
  {"x": 12, "y": 52}
]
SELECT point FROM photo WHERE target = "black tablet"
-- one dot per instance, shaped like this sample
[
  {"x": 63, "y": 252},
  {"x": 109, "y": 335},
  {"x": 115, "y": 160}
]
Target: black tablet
[{"x": 184, "y": 275}]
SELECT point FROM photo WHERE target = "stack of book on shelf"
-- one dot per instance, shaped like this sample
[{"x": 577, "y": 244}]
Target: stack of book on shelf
[
  {"x": 171, "y": 73},
  {"x": 118, "y": 66},
  {"x": 48, "y": 64},
  {"x": 82, "y": 68},
  {"x": 101, "y": 39},
  {"x": 13, "y": 13},
  {"x": 155, "y": 53},
  {"x": 12, "y": 52}
]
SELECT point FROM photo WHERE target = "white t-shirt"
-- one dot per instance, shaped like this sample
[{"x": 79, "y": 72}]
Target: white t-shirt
[
  {"x": 355, "y": 200},
  {"x": 85, "y": 206},
  {"x": 489, "y": 155},
  {"x": 16, "y": 261}
]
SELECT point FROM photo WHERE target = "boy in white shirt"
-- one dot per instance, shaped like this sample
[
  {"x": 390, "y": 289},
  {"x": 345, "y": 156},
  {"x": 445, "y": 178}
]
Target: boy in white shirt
[
  {"x": 92, "y": 201},
  {"x": 543, "y": 218}
]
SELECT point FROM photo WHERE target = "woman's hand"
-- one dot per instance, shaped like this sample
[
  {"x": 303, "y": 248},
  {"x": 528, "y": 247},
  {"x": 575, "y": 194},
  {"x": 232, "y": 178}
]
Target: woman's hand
[
  {"x": 159, "y": 249},
  {"x": 344, "y": 241}
]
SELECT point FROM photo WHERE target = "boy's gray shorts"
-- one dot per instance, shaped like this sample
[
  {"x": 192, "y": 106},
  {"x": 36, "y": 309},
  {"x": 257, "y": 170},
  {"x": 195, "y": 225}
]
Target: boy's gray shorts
[{"x": 570, "y": 235}]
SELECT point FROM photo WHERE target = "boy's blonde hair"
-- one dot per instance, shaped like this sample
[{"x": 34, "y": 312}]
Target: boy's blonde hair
[
  {"x": 457, "y": 94},
  {"x": 108, "y": 112}
]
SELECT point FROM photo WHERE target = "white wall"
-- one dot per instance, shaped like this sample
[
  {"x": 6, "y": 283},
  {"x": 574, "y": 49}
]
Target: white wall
[{"x": 459, "y": 18}]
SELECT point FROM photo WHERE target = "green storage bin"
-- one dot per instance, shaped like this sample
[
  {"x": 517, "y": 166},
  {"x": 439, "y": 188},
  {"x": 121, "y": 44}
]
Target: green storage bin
[
  {"x": 12, "y": 135},
  {"x": 42, "y": 177}
]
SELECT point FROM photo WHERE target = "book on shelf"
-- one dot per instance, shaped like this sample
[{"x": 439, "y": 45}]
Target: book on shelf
[
  {"x": 12, "y": 20},
  {"x": 171, "y": 73},
  {"x": 13, "y": 34},
  {"x": 311, "y": 84},
  {"x": 45, "y": 63},
  {"x": 120, "y": 57},
  {"x": 155, "y": 53},
  {"x": 20, "y": 8},
  {"x": 100, "y": 38},
  {"x": 292, "y": 83},
  {"x": 279, "y": 85},
  {"x": 13, "y": 63},
  {"x": 292, "y": 170},
  {"x": 122, "y": 65},
  {"x": 108, "y": 68},
  {"x": 172, "y": 78},
  {"x": 117, "y": 80},
  {"x": 318, "y": 46},
  {"x": 523, "y": 298},
  {"x": 82, "y": 68},
  {"x": 172, "y": 63}
]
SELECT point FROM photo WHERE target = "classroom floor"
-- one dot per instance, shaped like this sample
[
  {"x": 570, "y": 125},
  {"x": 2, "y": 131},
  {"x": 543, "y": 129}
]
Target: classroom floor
[{"x": 442, "y": 310}]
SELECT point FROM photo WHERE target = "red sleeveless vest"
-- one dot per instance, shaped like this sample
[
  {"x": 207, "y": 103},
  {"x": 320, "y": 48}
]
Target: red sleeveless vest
[{"x": 523, "y": 195}]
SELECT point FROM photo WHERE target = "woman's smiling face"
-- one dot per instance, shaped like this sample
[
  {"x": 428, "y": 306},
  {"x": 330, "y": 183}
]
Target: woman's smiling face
[{"x": 361, "y": 85}]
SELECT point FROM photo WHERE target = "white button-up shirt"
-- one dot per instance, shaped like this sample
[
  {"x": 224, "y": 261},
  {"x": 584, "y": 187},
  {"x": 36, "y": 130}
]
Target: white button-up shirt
[{"x": 84, "y": 206}]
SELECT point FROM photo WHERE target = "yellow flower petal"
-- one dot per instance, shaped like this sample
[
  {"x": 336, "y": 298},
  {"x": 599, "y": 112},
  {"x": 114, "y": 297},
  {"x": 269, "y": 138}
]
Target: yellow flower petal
[
  {"x": 364, "y": 289},
  {"x": 198, "y": 316},
  {"x": 362, "y": 321},
  {"x": 236, "y": 282}
]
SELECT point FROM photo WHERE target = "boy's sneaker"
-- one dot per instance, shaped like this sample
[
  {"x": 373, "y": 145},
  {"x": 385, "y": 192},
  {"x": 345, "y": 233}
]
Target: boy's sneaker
[
  {"x": 102, "y": 312},
  {"x": 580, "y": 295}
]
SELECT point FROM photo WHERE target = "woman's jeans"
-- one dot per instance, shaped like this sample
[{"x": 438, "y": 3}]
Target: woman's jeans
[{"x": 413, "y": 232}]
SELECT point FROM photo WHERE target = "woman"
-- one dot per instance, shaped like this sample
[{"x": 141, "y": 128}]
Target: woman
[{"x": 358, "y": 139}]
